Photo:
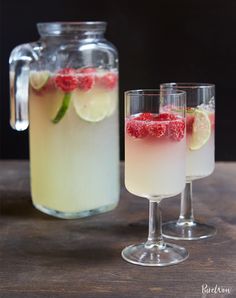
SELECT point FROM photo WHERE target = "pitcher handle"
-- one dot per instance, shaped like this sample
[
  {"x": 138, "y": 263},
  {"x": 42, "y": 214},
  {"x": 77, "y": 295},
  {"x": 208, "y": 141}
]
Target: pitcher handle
[{"x": 19, "y": 63}]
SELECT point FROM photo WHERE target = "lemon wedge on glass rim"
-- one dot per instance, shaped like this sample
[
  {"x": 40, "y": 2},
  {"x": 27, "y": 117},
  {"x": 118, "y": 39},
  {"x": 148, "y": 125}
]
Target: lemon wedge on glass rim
[
  {"x": 91, "y": 107},
  {"x": 38, "y": 79},
  {"x": 201, "y": 130}
]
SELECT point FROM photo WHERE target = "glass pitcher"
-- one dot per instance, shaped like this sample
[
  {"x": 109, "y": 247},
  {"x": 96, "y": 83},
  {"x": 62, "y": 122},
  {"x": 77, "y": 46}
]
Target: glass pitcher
[{"x": 65, "y": 87}]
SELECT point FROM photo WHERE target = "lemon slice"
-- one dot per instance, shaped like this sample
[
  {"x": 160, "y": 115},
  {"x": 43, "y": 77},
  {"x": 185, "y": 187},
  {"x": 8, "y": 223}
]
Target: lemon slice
[
  {"x": 201, "y": 130},
  {"x": 38, "y": 79},
  {"x": 91, "y": 106}
]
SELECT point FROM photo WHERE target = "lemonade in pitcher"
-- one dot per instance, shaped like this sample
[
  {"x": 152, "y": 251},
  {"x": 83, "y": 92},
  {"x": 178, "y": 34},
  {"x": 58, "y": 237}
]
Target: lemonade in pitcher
[{"x": 71, "y": 81}]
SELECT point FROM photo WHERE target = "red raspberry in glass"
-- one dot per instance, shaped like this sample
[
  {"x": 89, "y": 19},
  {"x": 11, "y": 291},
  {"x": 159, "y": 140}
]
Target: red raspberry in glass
[
  {"x": 189, "y": 123},
  {"x": 165, "y": 117},
  {"x": 66, "y": 79},
  {"x": 86, "y": 78},
  {"x": 212, "y": 120},
  {"x": 145, "y": 116},
  {"x": 87, "y": 70},
  {"x": 176, "y": 129},
  {"x": 109, "y": 80},
  {"x": 136, "y": 129},
  {"x": 156, "y": 129}
]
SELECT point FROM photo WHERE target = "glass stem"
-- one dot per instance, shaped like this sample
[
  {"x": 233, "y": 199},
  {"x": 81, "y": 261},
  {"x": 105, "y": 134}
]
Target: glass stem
[
  {"x": 155, "y": 226},
  {"x": 186, "y": 209}
]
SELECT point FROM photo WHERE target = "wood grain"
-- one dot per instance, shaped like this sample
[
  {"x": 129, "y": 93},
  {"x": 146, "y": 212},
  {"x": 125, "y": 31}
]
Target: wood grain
[{"x": 41, "y": 256}]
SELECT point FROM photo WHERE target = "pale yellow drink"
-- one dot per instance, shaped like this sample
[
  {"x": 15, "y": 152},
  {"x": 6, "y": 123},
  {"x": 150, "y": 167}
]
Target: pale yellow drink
[
  {"x": 200, "y": 159},
  {"x": 154, "y": 155},
  {"x": 75, "y": 162}
]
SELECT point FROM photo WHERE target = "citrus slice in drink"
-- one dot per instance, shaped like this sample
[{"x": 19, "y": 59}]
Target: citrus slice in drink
[
  {"x": 38, "y": 79},
  {"x": 91, "y": 106},
  {"x": 201, "y": 130},
  {"x": 63, "y": 108}
]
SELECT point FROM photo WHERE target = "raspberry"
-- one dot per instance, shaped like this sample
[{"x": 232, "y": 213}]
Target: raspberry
[
  {"x": 189, "y": 123},
  {"x": 176, "y": 129},
  {"x": 156, "y": 126},
  {"x": 136, "y": 129},
  {"x": 86, "y": 78},
  {"x": 109, "y": 80},
  {"x": 165, "y": 117},
  {"x": 156, "y": 129},
  {"x": 145, "y": 116},
  {"x": 66, "y": 79},
  {"x": 87, "y": 70},
  {"x": 212, "y": 120}
]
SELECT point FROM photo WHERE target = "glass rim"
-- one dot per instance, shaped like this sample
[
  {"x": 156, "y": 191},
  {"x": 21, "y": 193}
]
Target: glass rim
[
  {"x": 188, "y": 85},
  {"x": 153, "y": 92},
  {"x": 73, "y": 23},
  {"x": 58, "y": 28}
]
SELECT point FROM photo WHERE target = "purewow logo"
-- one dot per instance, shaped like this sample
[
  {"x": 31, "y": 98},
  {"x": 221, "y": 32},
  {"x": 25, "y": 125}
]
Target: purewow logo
[{"x": 216, "y": 289}]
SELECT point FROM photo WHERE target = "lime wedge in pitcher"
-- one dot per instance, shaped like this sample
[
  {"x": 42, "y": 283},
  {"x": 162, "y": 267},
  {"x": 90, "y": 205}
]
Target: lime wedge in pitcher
[
  {"x": 63, "y": 108},
  {"x": 38, "y": 79}
]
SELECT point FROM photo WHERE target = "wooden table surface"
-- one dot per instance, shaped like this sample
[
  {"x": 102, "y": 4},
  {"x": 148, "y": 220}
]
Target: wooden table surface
[{"x": 41, "y": 256}]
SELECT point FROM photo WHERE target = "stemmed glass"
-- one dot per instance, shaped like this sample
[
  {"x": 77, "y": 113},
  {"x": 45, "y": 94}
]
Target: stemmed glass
[
  {"x": 200, "y": 158},
  {"x": 155, "y": 165}
]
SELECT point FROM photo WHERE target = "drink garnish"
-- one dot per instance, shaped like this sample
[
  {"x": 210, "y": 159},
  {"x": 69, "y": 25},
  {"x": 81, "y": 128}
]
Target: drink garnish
[
  {"x": 165, "y": 117},
  {"x": 148, "y": 124},
  {"x": 63, "y": 108},
  {"x": 38, "y": 79},
  {"x": 144, "y": 116},
  {"x": 201, "y": 129},
  {"x": 136, "y": 129},
  {"x": 86, "y": 78},
  {"x": 67, "y": 80},
  {"x": 189, "y": 122},
  {"x": 92, "y": 107},
  {"x": 109, "y": 80},
  {"x": 176, "y": 129},
  {"x": 156, "y": 129},
  {"x": 79, "y": 82}
]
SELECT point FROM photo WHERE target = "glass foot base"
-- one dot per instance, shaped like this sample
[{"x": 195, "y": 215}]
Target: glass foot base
[
  {"x": 187, "y": 230},
  {"x": 142, "y": 255},
  {"x": 74, "y": 215}
]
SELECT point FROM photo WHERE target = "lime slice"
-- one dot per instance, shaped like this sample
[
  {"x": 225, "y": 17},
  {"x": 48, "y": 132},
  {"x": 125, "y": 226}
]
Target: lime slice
[
  {"x": 201, "y": 130},
  {"x": 63, "y": 108},
  {"x": 92, "y": 106},
  {"x": 38, "y": 79}
]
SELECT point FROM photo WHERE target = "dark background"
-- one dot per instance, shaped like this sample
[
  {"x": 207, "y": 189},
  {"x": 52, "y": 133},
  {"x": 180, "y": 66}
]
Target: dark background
[{"x": 158, "y": 41}]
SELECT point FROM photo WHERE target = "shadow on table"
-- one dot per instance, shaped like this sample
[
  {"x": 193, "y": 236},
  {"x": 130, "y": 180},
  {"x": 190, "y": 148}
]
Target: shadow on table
[{"x": 21, "y": 207}]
